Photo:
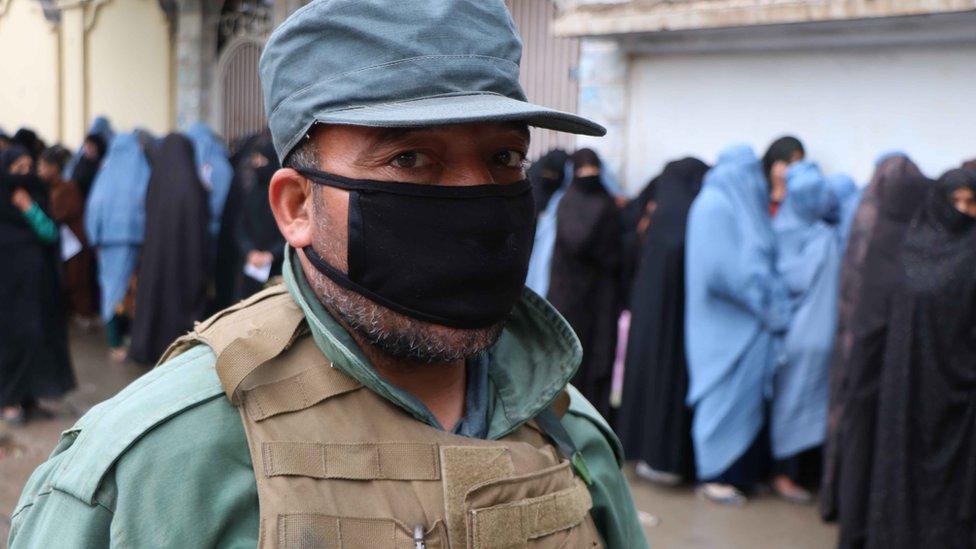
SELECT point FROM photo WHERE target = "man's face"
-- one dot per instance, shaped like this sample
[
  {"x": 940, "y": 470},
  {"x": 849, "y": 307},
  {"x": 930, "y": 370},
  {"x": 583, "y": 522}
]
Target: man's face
[{"x": 455, "y": 155}]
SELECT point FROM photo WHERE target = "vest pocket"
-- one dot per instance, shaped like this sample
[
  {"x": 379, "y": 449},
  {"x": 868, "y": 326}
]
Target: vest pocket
[
  {"x": 541, "y": 509},
  {"x": 315, "y": 531}
]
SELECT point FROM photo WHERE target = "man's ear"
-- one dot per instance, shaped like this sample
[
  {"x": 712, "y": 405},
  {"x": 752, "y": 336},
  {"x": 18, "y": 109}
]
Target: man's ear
[{"x": 290, "y": 195}]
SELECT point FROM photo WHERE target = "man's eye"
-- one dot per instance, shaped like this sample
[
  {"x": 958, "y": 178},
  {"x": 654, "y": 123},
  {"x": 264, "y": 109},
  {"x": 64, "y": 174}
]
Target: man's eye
[
  {"x": 411, "y": 159},
  {"x": 510, "y": 159}
]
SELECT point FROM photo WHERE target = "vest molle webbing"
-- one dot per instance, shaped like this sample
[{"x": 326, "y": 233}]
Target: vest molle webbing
[{"x": 339, "y": 466}]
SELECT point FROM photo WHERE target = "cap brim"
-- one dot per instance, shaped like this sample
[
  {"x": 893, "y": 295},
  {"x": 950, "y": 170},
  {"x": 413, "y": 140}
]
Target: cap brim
[{"x": 460, "y": 109}]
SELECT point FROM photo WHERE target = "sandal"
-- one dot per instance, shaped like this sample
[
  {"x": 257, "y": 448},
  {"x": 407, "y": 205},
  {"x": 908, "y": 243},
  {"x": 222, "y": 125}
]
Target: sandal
[{"x": 723, "y": 494}]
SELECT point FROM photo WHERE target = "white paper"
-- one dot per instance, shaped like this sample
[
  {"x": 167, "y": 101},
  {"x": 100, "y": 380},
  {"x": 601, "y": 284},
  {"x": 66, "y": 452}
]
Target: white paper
[
  {"x": 261, "y": 274},
  {"x": 70, "y": 245}
]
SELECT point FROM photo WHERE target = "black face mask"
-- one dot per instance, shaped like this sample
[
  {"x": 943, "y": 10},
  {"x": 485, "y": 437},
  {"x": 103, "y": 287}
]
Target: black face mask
[{"x": 449, "y": 255}]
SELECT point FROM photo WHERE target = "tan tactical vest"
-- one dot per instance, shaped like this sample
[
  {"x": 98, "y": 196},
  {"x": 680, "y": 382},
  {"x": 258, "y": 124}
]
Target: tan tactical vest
[{"x": 339, "y": 466}]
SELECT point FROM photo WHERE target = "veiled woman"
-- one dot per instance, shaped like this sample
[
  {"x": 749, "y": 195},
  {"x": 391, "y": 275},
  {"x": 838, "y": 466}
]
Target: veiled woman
[
  {"x": 737, "y": 310},
  {"x": 868, "y": 278},
  {"x": 34, "y": 359},
  {"x": 84, "y": 164},
  {"x": 923, "y": 488},
  {"x": 115, "y": 220},
  {"x": 654, "y": 421},
  {"x": 215, "y": 170},
  {"x": 174, "y": 268},
  {"x": 808, "y": 258},
  {"x": 585, "y": 274},
  {"x": 259, "y": 241}
]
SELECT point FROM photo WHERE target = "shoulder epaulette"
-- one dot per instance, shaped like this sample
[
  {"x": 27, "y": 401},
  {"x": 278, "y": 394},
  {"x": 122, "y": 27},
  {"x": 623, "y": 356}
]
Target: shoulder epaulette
[
  {"x": 108, "y": 430},
  {"x": 579, "y": 406}
]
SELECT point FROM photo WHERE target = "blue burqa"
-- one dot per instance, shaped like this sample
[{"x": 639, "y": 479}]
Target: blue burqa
[
  {"x": 844, "y": 199},
  {"x": 540, "y": 263},
  {"x": 737, "y": 310},
  {"x": 115, "y": 217},
  {"x": 215, "y": 170},
  {"x": 101, "y": 127},
  {"x": 809, "y": 259}
]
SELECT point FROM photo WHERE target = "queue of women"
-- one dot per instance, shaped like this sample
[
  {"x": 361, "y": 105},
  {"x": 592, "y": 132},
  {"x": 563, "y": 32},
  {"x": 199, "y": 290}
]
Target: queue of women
[
  {"x": 752, "y": 323},
  {"x": 143, "y": 235},
  {"x": 759, "y": 323}
]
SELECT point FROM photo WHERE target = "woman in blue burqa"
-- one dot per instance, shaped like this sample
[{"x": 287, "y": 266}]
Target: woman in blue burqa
[
  {"x": 808, "y": 257},
  {"x": 115, "y": 219},
  {"x": 737, "y": 310},
  {"x": 845, "y": 196},
  {"x": 215, "y": 170}
]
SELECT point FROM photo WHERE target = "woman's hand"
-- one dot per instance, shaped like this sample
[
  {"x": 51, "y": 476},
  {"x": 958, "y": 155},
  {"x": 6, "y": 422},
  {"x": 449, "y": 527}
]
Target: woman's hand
[{"x": 22, "y": 200}]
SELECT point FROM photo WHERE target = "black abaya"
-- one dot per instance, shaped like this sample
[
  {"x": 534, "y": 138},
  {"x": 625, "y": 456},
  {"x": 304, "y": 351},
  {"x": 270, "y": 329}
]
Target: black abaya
[
  {"x": 901, "y": 188},
  {"x": 585, "y": 278},
  {"x": 257, "y": 228},
  {"x": 654, "y": 422},
  {"x": 631, "y": 239},
  {"x": 547, "y": 176},
  {"x": 923, "y": 489},
  {"x": 173, "y": 269},
  {"x": 34, "y": 358},
  {"x": 87, "y": 168},
  {"x": 229, "y": 259}
]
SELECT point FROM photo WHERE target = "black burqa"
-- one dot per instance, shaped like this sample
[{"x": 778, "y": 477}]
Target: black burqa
[
  {"x": 654, "y": 423},
  {"x": 34, "y": 358},
  {"x": 923, "y": 490},
  {"x": 547, "y": 176},
  {"x": 229, "y": 261},
  {"x": 900, "y": 190},
  {"x": 585, "y": 279},
  {"x": 173, "y": 268},
  {"x": 631, "y": 238},
  {"x": 257, "y": 228},
  {"x": 87, "y": 167}
]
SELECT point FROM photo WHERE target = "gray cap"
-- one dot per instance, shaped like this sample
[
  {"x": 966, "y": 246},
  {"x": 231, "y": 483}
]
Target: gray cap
[{"x": 398, "y": 63}]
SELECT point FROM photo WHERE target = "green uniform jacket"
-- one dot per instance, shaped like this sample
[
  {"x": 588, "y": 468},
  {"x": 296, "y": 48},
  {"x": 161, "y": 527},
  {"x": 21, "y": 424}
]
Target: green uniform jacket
[{"x": 165, "y": 462}]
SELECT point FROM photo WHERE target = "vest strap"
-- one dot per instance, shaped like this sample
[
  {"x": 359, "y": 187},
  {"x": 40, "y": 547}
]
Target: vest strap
[
  {"x": 554, "y": 430},
  {"x": 236, "y": 361},
  {"x": 297, "y": 392},
  {"x": 309, "y": 530},
  {"x": 515, "y": 524},
  {"x": 364, "y": 461}
]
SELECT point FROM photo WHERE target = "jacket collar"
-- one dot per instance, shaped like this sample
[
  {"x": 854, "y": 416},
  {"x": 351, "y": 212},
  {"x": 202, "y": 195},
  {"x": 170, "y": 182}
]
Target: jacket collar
[{"x": 534, "y": 359}]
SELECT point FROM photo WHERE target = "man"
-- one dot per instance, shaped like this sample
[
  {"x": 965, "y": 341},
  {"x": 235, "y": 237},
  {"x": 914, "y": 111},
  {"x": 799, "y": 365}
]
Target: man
[{"x": 400, "y": 389}]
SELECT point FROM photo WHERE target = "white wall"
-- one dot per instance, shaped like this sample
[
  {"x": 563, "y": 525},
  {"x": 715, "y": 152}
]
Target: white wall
[
  {"x": 847, "y": 105},
  {"x": 28, "y": 69}
]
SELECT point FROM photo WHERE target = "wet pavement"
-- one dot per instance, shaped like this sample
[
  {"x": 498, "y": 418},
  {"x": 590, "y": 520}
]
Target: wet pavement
[{"x": 672, "y": 517}]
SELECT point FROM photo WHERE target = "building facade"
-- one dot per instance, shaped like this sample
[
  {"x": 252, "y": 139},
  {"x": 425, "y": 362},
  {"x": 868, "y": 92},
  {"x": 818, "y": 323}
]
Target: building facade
[
  {"x": 164, "y": 64},
  {"x": 851, "y": 78}
]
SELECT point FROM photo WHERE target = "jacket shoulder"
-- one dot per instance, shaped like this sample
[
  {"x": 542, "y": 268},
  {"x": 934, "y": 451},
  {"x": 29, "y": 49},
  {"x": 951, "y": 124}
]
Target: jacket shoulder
[
  {"x": 581, "y": 408},
  {"x": 111, "y": 429}
]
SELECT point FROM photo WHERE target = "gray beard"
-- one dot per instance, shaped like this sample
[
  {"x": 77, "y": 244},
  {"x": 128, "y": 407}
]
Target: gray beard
[{"x": 397, "y": 335}]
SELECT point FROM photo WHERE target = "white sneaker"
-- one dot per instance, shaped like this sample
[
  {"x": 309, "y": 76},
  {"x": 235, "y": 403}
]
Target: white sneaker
[{"x": 724, "y": 494}]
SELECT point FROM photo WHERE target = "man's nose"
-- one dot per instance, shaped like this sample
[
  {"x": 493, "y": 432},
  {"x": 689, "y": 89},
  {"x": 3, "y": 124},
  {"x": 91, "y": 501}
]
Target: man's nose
[{"x": 467, "y": 172}]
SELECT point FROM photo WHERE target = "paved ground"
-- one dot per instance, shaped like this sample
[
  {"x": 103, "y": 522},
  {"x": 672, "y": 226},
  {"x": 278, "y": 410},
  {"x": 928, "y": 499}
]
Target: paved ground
[{"x": 671, "y": 517}]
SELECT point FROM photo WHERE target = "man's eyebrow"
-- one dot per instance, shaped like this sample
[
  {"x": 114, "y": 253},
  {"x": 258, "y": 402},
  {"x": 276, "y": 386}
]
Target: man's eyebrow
[{"x": 390, "y": 136}]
